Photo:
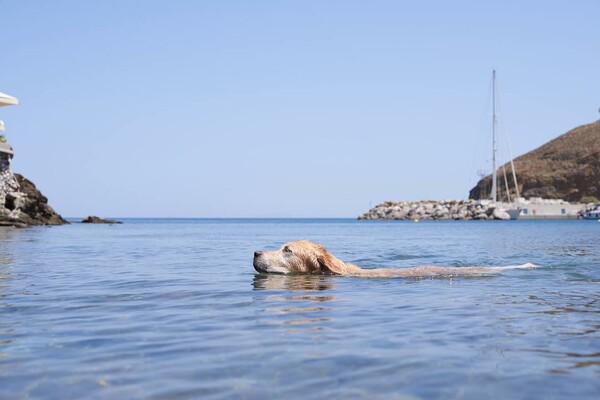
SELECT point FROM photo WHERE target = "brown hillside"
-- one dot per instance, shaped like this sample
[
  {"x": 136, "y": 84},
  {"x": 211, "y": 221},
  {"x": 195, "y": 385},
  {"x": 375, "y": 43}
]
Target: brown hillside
[{"x": 567, "y": 168}]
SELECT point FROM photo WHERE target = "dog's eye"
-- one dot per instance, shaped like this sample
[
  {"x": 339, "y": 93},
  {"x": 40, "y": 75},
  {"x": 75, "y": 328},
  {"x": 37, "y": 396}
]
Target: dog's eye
[{"x": 287, "y": 250}]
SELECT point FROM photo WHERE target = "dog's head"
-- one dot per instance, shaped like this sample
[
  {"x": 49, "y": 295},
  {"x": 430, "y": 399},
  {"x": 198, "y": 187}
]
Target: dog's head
[{"x": 301, "y": 257}]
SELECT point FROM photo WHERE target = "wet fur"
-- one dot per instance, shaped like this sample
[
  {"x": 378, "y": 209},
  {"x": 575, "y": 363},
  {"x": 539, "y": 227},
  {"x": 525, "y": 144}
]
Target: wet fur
[{"x": 304, "y": 257}]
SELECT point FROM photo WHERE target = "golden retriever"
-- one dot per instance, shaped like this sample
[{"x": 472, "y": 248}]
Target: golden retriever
[{"x": 304, "y": 257}]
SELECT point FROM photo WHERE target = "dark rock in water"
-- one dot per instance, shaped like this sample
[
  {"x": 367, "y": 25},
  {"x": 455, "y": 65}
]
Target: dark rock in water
[
  {"x": 566, "y": 168},
  {"x": 92, "y": 219},
  {"x": 24, "y": 205}
]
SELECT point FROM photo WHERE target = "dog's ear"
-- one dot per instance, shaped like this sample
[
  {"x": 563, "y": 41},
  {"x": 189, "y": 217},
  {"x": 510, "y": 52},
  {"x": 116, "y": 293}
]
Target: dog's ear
[{"x": 330, "y": 265}]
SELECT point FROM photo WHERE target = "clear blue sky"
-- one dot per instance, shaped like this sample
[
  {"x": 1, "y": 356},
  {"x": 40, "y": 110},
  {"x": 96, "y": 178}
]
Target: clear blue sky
[{"x": 282, "y": 108}]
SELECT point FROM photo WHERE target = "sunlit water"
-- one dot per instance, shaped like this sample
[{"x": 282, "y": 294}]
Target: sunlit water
[{"x": 173, "y": 309}]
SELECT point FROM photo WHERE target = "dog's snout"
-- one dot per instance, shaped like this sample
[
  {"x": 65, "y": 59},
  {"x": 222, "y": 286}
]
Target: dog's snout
[{"x": 257, "y": 254}]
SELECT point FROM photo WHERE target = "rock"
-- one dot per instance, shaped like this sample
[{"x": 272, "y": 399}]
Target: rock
[
  {"x": 92, "y": 219},
  {"x": 34, "y": 207},
  {"x": 13, "y": 223},
  {"x": 22, "y": 204},
  {"x": 440, "y": 214},
  {"x": 499, "y": 214},
  {"x": 481, "y": 216},
  {"x": 398, "y": 215}
]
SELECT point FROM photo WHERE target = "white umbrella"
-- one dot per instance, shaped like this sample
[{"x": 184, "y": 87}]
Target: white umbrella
[{"x": 6, "y": 100}]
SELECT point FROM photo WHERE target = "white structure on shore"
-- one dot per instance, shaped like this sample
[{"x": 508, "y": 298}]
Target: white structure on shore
[
  {"x": 11, "y": 198},
  {"x": 6, "y": 150},
  {"x": 538, "y": 208}
]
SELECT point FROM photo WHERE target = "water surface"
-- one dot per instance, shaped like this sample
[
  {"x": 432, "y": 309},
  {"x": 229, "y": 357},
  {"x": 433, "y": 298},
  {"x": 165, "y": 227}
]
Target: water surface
[{"x": 173, "y": 309}]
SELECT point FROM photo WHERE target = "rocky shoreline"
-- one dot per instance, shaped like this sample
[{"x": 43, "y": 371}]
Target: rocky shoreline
[
  {"x": 437, "y": 210},
  {"x": 22, "y": 204}
]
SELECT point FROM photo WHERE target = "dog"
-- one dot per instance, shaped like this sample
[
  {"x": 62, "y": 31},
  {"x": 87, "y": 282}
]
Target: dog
[{"x": 305, "y": 257}]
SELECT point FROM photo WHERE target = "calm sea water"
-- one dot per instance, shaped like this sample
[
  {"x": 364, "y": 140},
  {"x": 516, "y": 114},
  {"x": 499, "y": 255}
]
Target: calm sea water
[{"x": 173, "y": 309}]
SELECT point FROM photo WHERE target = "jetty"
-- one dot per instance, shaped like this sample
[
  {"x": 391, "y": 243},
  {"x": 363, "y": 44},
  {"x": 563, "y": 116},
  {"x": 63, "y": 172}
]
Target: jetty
[{"x": 534, "y": 208}]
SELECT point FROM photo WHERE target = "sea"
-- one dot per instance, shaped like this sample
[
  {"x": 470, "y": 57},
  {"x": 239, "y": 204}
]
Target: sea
[{"x": 173, "y": 309}]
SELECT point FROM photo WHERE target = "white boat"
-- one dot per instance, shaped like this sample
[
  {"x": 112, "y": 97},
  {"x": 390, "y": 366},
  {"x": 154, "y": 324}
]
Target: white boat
[
  {"x": 591, "y": 213},
  {"x": 513, "y": 210}
]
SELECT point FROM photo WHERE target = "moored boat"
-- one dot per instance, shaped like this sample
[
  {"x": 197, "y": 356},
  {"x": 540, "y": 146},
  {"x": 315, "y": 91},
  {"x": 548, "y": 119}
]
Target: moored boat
[
  {"x": 591, "y": 212},
  {"x": 511, "y": 209}
]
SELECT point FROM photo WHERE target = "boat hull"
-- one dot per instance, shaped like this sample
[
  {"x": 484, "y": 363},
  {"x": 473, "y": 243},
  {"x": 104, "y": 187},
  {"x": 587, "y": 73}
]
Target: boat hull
[
  {"x": 514, "y": 213},
  {"x": 591, "y": 215}
]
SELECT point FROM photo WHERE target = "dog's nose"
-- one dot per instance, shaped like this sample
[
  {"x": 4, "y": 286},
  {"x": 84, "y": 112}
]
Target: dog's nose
[{"x": 257, "y": 253}]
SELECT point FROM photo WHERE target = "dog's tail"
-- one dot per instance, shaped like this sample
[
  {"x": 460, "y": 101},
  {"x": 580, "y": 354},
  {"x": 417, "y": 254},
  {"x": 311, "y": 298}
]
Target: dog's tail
[{"x": 522, "y": 266}]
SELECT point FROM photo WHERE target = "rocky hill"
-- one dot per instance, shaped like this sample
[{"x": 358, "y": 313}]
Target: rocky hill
[{"x": 567, "y": 168}]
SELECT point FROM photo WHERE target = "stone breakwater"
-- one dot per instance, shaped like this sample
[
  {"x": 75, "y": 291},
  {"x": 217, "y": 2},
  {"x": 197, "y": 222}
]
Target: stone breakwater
[{"x": 437, "y": 210}]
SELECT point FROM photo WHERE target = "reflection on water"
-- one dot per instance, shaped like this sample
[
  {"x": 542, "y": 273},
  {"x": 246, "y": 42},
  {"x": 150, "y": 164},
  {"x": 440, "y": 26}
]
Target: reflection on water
[
  {"x": 6, "y": 259},
  {"x": 307, "y": 315},
  {"x": 553, "y": 313},
  {"x": 6, "y": 237},
  {"x": 574, "y": 360},
  {"x": 294, "y": 283}
]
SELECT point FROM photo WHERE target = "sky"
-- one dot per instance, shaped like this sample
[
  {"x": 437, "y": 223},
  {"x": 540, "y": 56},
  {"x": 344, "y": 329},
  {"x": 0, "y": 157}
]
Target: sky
[{"x": 283, "y": 108}]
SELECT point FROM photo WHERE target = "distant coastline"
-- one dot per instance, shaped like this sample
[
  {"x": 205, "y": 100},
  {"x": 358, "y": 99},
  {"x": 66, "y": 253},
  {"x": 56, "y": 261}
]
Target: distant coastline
[{"x": 567, "y": 167}]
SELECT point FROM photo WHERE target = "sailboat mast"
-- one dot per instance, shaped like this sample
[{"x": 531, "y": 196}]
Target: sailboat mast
[{"x": 494, "y": 177}]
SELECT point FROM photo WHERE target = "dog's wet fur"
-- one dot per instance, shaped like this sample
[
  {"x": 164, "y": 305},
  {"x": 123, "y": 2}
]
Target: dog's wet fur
[{"x": 305, "y": 257}]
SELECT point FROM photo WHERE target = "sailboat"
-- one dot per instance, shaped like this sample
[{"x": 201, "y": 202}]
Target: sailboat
[{"x": 513, "y": 210}]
